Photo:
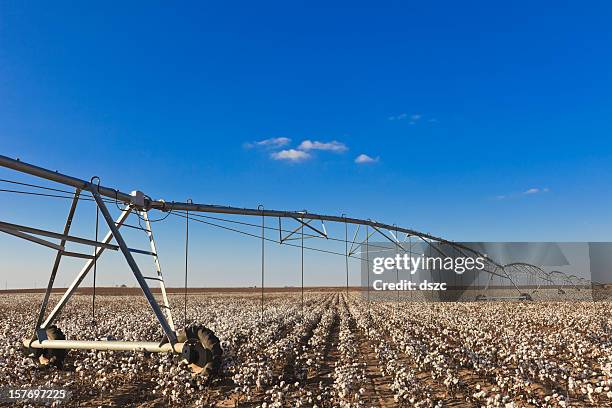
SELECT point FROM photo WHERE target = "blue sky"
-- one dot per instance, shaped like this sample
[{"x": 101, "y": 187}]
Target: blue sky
[{"x": 485, "y": 121}]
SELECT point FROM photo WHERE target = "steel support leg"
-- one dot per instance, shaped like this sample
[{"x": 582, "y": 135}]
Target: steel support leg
[
  {"x": 56, "y": 263},
  {"x": 77, "y": 281},
  {"x": 134, "y": 267},
  {"x": 162, "y": 284},
  {"x": 488, "y": 282}
]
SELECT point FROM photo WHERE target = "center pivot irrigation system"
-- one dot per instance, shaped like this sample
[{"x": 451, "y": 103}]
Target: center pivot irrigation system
[{"x": 197, "y": 345}]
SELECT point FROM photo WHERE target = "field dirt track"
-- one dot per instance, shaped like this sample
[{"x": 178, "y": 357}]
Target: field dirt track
[{"x": 338, "y": 351}]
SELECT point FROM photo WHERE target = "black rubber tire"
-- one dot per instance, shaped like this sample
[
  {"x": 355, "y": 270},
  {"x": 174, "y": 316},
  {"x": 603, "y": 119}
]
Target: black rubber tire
[
  {"x": 209, "y": 341},
  {"x": 53, "y": 357}
]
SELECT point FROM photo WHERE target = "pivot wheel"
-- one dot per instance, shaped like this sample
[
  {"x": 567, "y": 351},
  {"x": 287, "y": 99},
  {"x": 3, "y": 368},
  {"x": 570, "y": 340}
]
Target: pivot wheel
[
  {"x": 47, "y": 357},
  {"x": 201, "y": 350}
]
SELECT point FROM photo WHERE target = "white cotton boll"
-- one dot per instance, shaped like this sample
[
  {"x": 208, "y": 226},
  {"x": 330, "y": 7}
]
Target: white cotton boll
[{"x": 500, "y": 341}]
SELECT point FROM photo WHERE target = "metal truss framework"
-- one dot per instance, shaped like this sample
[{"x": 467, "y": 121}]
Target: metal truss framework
[
  {"x": 141, "y": 204},
  {"x": 163, "y": 316}
]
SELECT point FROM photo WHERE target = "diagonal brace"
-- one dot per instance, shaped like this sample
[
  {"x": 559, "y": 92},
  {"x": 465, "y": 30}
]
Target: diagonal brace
[
  {"x": 56, "y": 263},
  {"x": 84, "y": 271},
  {"x": 286, "y": 238},
  {"x": 64, "y": 237},
  {"x": 134, "y": 267},
  {"x": 306, "y": 224},
  {"x": 31, "y": 238}
]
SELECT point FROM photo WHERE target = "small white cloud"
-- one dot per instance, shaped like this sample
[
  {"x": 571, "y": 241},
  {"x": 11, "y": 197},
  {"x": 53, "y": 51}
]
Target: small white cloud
[
  {"x": 291, "y": 155},
  {"x": 333, "y": 146},
  {"x": 399, "y": 117},
  {"x": 536, "y": 191},
  {"x": 528, "y": 192},
  {"x": 272, "y": 142},
  {"x": 413, "y": 118},
  {"x": 364, "y": 158}
]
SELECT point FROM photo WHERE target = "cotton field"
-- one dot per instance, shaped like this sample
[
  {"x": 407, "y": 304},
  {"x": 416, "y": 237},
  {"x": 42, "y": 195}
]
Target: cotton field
[{"x": 338, "y": 351}]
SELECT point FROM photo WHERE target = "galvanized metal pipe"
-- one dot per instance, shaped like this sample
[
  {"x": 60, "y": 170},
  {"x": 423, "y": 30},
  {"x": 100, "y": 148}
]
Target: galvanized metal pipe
[
  {"x": 207, "y": 208},
  {"x": 104, "y": 345},
  {"x": 60, "y": 178}
]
